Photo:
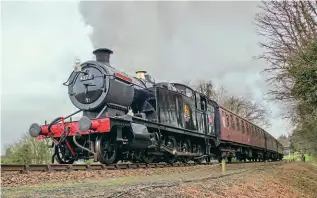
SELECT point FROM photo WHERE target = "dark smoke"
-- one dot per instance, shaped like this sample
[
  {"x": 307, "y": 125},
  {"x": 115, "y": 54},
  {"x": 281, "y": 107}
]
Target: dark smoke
[{"x": 175, "y": 40}]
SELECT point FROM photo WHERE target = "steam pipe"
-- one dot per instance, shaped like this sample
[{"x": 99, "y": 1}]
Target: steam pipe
[{"x": 80, "y": 146}]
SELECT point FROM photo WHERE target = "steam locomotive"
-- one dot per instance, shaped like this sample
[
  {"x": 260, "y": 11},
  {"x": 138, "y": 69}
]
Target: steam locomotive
[{"x": 126, "y": 118}]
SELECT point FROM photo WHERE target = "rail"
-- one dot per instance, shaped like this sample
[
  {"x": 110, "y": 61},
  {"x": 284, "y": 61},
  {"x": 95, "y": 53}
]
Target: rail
[
  {"x": 78, "y": 167},
  {"x": 23, "y": 168}
]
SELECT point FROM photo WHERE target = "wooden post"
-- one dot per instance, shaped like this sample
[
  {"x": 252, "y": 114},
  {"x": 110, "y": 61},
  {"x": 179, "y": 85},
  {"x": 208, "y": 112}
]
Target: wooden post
[{"x": 224, "y": 166}]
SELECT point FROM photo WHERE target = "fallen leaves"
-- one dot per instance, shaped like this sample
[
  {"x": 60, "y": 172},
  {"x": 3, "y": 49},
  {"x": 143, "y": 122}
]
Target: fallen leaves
[
  {"x": 14, "y": 179},
  {"x": 293, "y": 180}
]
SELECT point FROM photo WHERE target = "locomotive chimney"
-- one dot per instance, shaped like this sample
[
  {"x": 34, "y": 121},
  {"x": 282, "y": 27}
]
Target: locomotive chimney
[
  {"x": 102, "y": 54},
  {"x": 140, "y": 74}
]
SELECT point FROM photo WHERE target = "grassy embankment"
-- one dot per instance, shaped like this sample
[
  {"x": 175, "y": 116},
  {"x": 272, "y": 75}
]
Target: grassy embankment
[{"x": 297, "y": 157}]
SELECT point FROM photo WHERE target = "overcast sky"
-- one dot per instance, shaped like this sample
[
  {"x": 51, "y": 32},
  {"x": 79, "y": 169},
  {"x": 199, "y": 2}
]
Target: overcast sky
[{"x": 172, "y": 41}]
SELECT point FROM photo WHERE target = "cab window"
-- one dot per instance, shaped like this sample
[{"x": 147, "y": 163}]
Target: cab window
[
  {"x": 189, "y": 93},
  {"x": 198, "y": 102}
]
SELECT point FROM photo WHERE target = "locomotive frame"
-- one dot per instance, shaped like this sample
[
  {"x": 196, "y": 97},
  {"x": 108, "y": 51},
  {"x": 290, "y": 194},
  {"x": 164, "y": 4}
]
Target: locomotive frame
[{"x": 176, "y": 123}]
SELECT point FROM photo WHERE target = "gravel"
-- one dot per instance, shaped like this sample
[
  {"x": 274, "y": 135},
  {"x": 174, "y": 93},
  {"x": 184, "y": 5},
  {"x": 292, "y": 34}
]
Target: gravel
[
  {"x": 14, "y": 179},
  {"x": 288, "y": 180}
]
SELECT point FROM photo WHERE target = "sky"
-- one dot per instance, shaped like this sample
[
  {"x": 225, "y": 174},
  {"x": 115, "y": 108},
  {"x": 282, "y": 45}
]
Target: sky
[{"x": 173, "y": 41}]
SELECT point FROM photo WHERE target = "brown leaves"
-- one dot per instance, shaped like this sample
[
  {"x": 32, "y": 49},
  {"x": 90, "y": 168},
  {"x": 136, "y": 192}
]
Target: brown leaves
[
  {"x": 16, "y": 179},
  {"x": 293, "y": 180},
  {"x": 288, "y": 181}
]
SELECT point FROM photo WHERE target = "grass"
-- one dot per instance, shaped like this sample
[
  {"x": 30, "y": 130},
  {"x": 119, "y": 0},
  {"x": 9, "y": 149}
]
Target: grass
[{"x": 297, "y": 157}]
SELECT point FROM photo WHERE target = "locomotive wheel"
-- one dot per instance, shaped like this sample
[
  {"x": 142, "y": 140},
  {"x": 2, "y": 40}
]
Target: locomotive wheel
[
  {"x": 146, "y": 158},
  {"x": 171, "y": 143},
  {"x": 106, "y": 149},
  {"x": 186, "y": 148},
  {"x": 62, "y": 154},
  {"x": 199, "y": 151}
]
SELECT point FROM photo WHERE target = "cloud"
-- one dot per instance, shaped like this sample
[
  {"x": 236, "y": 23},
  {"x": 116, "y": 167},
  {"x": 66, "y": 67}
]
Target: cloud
[{"x": 39, "y": 43}]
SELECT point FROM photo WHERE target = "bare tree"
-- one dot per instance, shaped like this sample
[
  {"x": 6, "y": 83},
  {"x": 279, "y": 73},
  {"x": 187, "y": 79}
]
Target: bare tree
[
  {"x": 252, "y": 111},
  {"x": 186, "y": 82},
  {"x": 290, "y": 31},
  {"x": 208, "y": 88},
  {"x": 286, "y": 27},
  {"x": 242, "y": 106}
]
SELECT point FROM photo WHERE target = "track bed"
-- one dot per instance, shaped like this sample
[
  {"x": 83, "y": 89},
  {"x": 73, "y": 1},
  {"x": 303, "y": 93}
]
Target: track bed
[{"x": 162, "y": 182}]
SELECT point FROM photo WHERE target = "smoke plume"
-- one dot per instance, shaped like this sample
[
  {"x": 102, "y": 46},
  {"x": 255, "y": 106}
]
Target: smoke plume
[{"x": 175, "y": 41}]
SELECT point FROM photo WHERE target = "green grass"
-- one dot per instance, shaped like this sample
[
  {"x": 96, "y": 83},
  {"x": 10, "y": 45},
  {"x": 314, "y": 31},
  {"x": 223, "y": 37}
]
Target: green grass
[{"x": 296, "y": 156}]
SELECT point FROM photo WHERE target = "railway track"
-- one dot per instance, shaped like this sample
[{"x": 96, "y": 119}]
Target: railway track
[{"x": 24, "y": 168}]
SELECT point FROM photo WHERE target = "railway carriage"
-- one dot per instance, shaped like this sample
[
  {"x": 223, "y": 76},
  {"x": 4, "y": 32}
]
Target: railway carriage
[
  {"x": 246, "y": 140},
  {"x": 135, "y": 119}
]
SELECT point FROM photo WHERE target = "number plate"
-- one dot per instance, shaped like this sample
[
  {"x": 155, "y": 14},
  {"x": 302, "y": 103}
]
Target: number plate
[{"x": 86, "y": 77}]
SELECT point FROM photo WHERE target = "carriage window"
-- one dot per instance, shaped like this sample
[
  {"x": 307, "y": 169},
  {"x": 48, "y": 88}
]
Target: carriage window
[
  {"x": 227, "y": 120},
  {"x": 242, "y": 126},
  {"x": 238, "y": 124},
  {"x": 246, "y": 127},
  {"x": 250, "y": 129},
  {"x": 259, "y": 133},
  {"x": 253, "y": 131},
  {"x": 232, "y": 122}
]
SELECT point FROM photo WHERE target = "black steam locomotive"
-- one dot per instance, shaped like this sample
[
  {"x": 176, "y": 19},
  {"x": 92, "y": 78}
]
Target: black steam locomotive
[{"x": 127, "y": 118}]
